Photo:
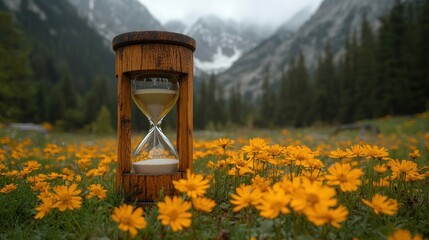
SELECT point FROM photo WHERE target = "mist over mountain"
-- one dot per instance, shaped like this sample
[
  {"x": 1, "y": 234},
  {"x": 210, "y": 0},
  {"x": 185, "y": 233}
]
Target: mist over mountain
[
  {"x": 175, "y": 26},
  {"x": 334, "y": 21},
  {"x": 220, "y": 42},
  {"x": 297, "y": 20}
]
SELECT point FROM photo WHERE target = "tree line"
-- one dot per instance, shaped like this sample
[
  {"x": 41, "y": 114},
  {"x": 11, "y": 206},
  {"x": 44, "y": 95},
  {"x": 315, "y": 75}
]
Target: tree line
[{"x": 383, "y": 72}]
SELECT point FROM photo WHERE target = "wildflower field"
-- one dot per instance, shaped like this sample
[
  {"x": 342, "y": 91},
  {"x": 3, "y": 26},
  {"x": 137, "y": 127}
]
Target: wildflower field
[{"x": 246, "y": 184}]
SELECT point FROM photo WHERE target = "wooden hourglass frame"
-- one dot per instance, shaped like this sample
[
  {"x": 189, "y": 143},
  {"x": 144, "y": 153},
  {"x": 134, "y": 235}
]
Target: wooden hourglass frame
[{"x": 153, "y": 52}]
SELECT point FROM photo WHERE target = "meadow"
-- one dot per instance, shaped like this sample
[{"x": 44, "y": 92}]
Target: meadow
[{"x": 246, "y": 184}]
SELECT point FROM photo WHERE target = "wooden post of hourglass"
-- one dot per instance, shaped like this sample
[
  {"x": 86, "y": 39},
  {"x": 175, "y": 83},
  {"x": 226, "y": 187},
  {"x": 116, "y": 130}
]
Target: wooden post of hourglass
[{"x": 153, "y": 52}]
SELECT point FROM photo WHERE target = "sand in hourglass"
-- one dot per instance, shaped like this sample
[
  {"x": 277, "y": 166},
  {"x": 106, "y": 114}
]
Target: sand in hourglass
[{"x": 155, "y": 104}]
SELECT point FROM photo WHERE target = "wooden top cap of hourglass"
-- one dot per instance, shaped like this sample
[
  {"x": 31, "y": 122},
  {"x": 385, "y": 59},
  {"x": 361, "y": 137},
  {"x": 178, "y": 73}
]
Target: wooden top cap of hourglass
[{"x": 162, "y": 37}]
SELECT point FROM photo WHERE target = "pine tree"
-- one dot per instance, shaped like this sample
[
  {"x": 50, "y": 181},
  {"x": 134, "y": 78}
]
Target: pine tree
[
  {"x": 210, "y": 102},
  {"x": 347, "y": 78},
  {"x": 17, "y": 92},
  {"x": 200, "y": 106},
  {"x": 102, "y": 124},
  {"x": 68, "y": 90},
  {"x": 392, "y": 74},
  {"x": 268, "y": 100},
  {"x": 220, "y": 106},
  {"x": 96, "y": 97},
  {"x": 366, "y": 74},
  {"x": 326, "y": 101},
  {"x": 289, "y": 96},
  {"x": 57, "y": 106},
  {"x": 416, "y": 55},
  {"x": 282, "y": 107},
  {"x": 237, "y": 112},
  {"x": 302, "y": 93}
]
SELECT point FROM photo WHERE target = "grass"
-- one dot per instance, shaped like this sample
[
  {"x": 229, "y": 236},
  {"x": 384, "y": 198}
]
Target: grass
[{"x": 57, "y": 151}]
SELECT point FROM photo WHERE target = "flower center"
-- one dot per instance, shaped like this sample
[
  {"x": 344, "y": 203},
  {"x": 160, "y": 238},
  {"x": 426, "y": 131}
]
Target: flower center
[
  {"x": 173, "y": 215},
  {"x": 191, "y": 186},
  {"x": 312, "y": 199},
  {"x": 342, "y": 177}
]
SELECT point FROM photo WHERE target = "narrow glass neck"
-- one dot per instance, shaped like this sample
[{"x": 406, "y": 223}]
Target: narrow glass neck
[{"x": 153, "y": 124}]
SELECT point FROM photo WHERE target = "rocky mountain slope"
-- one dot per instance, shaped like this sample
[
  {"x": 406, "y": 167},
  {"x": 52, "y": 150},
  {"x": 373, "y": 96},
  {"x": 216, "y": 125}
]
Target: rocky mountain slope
[
  {"x": 112, "y": 17},
  {"x": 61, "y": 41},
  {"x": 220, "y": 42},
  {"x": 334, "y": 20}
]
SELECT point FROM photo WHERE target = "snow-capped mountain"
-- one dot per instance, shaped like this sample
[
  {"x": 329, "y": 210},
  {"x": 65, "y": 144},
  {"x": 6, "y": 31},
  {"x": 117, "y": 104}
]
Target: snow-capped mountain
[
  {"x": 221, "y": 42},
  {"x": 334, "y": 20},
  {"x": 112, "y": 17}
]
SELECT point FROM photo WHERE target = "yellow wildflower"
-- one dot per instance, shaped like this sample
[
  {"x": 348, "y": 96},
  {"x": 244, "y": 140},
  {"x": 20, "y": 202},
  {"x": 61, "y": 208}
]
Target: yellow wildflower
[
  {"x": 343, "y": 175},
  {"x": 274, "y": 202},
  {"x": 402, "y": 234},
  {"x": 256, "y": 146},
  {"x": 313, "y": 195},
  {"x": 31, "y": 166},
  {"x": 320, "y": 216},
  {"x": 173, "y": 212},
  {"x": 96, "y": 190},
  {"x": 68, "y": 175},
  {"x": 244, "y": 197},
  {"x": 8, "y": 188},
  {"x": 260, "y": 183},
  {"x": 194, "y": 185},
  {"x": 382, "y": 204},
  {"x": 203, "y": 204},
  {"x": 224, "y": 142},
  {"x": 355, "y": 151},
  {"x": 404, "y": 170},
  {"x": 380, "y": 168},
  {"x": 376, "y": 152},
  {"x": 415, "y": 154},
  {"x": 44, "y": 208},
  {"x": 315, "y": 175},
  {"x": 340, "y": 154},
  {"x": 129, "y": 220},
  {"x": 67, "y": 197},
  {"x": 241, "y": 165}
]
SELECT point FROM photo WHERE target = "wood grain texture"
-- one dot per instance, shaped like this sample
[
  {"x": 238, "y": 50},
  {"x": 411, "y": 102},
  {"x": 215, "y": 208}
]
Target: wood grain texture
[
  {"x": 138, "y": 38},
  {"x": 153, "y": 52},
  {"x": 145, "y": 188}
]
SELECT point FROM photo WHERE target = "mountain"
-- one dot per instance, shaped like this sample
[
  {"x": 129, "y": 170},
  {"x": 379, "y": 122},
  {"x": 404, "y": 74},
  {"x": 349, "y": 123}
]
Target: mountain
[
  {"x": 112, "y": 17},
  {"x": 220, "y": 42},
  {"x": 334, "y": 21},
  {"x": 72, "y": 70},
  {"x": 61, "y": 41},
  {"x": 298, "y": 19},
  {"x": 175, "y": 26}
]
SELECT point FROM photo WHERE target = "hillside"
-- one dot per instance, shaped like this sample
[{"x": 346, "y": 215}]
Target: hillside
[
  {"x": 334, "y": 21},
  {"x": 66, "y": 57}
]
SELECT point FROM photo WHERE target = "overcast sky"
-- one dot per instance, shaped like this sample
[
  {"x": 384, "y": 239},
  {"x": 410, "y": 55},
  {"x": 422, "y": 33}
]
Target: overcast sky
[{"x": 273, "y": 12}]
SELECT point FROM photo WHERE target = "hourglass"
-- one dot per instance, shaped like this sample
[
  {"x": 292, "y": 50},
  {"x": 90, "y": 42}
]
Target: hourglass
[
  {"x": 155, "y": 95},
  {"x": 155, "y": 69}
]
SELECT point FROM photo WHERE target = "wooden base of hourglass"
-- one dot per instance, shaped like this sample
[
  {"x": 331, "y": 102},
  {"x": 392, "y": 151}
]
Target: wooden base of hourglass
[
  {"x": 153, "y": 52},
  {"x": 146, "y": 188}
]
